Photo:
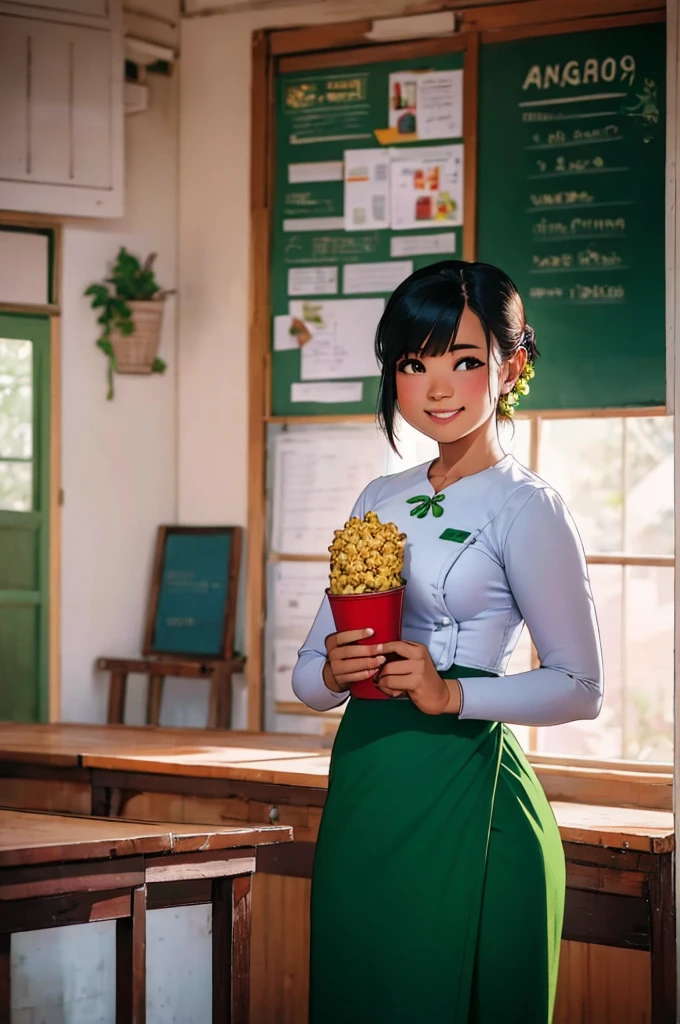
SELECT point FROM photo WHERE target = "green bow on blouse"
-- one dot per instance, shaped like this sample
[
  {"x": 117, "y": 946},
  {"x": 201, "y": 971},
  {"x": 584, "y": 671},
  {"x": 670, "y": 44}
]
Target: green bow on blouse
[{"x": 423, "y": 504}]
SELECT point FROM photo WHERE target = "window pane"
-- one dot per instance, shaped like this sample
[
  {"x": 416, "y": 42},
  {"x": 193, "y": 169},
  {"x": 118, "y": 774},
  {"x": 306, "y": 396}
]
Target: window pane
[
  {"x": 516, "y": 438},
  {"x": 583, "y": 460},
  {"x": 649, "y": 485},
  {"x": 16, "y": 399},
  {"x": 648, "y": 664},
  {"x": 602, "y": 737},
  {"x": 16, "y": 486}
]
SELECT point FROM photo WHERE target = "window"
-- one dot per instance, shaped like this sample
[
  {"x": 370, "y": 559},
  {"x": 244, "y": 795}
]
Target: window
[
  {"x": 16, "y": 425},
  {"x": 616, "y": 475}
]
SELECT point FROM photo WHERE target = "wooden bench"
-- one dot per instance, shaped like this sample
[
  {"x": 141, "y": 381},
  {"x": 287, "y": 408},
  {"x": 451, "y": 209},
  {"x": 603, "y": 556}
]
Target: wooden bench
[
  {"x": 619, "y": 859},
  {"x": 57, "y": 870}
]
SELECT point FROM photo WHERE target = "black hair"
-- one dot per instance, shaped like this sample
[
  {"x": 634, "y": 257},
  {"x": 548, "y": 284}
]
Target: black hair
[{"x": 423, "y": 314}]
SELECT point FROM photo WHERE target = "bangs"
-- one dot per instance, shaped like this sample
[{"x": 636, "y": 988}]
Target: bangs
[{"x": 423, "y": 320}]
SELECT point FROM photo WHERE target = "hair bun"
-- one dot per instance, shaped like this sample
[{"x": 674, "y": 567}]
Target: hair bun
[{"x": 529, "y": 342}]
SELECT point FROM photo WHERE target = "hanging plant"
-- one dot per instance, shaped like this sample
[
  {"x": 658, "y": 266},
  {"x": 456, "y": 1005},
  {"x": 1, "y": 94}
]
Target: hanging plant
[{"x": 131, "y": 304}]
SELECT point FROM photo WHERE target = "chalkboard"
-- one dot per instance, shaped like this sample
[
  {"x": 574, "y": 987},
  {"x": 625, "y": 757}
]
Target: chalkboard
[
  {"x": 193, "y": 591},
  {"x": 320, "y": 115},
  {"x": 571, "y": 204}
]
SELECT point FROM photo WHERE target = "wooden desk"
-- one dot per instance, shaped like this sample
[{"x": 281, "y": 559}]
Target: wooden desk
[
  {"x": 619, "y": 860},
  {"x": 57, "y": 871}
]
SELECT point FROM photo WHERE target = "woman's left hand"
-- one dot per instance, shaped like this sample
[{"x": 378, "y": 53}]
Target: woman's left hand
[{"x": 414, "y": 673}]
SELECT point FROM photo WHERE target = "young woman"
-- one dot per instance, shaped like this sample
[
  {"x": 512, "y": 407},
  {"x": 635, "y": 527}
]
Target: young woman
[{"x": 439, "y": 880}]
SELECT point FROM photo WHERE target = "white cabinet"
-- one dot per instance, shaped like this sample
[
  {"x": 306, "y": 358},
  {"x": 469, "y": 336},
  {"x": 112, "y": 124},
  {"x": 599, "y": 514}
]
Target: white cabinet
[{"x": 61, "y": 116}]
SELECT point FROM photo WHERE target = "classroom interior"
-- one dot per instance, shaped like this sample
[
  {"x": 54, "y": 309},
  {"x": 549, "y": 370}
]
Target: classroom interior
[{"x": 235, "y": 141}]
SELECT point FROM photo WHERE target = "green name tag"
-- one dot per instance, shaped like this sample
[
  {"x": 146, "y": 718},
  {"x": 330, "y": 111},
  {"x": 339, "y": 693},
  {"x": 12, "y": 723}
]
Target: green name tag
[{"x": 456, "y": 535}]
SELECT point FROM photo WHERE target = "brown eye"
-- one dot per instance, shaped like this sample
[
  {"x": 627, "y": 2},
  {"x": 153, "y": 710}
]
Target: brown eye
[
  {"x": 469, "y": 363},
  {"x": 411, "y": 366}
]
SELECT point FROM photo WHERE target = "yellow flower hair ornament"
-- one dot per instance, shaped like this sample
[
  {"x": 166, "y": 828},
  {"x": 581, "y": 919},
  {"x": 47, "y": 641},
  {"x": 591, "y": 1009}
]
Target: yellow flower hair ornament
[{"x": 507, "y": 403}]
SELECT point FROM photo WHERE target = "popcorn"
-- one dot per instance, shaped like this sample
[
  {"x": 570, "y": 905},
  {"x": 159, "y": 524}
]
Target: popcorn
[{"x": 367, "y": 556}]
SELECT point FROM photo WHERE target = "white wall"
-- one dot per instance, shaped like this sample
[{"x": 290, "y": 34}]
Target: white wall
[{"x": 119, "y": 458}]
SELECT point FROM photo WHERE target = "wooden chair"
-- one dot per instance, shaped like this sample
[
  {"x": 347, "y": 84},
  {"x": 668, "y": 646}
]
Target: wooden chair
[{"x": 192, "y": 605}]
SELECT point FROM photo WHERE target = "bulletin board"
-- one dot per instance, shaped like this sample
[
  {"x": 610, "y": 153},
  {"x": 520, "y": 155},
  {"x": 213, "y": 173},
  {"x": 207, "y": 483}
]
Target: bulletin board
[
  {"x": 344, "y": 232},
  {"x": 577, "y": 219}
]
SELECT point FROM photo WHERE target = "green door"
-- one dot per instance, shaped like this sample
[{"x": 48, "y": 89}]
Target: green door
[{"x": 24, "y": 508}]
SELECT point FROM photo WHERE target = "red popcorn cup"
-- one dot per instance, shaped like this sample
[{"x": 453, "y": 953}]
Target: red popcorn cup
[{"x": 380, "y": 611}]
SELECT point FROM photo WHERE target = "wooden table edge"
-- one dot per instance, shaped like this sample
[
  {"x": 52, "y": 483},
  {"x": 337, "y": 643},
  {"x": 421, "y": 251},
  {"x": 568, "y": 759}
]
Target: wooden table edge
[
  {"x": 165, "y": 842},
  {"x": 146, "y": 766}
]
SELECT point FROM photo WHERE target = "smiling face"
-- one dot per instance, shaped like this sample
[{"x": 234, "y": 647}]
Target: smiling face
[{"x": 449, "y": 396}]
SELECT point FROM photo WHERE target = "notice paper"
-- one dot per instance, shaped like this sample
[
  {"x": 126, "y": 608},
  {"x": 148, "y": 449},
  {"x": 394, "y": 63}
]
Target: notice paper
[
  {"x": 443, "y": 243},
  {"x": 313, "y": 281},
  {"x": 313, "y": 224},
  {"x": 440, "y": 105},
  {"x": 328, "y": 393},
  {"x": 367, "y": 189},
  {"x": 427, "y": 187},
  {"x": 338, "y": 337},
  {"x": 294, "y": 596},
  {"x": 425, "y": 105},
  {"x": 284, "y": 337},
  {"x": 296, "y": 593},
  {"x": 283, "y": 658},
  {"x": 368, "y": 278},
  {"x": 327, "y": 170},
  {"x": 317, "y": 478}
]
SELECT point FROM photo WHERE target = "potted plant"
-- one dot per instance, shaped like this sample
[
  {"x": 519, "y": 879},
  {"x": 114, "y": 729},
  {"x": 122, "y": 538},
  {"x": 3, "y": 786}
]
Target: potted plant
[{"x": 131, "y": 304}]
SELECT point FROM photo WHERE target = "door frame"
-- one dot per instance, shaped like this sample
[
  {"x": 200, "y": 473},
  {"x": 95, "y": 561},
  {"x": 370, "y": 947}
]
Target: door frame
[{"x": 52, "y": 700}]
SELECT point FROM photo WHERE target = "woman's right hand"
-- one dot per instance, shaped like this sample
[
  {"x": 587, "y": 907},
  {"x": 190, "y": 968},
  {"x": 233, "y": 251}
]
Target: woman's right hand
[{"x": 348, "y": 661}]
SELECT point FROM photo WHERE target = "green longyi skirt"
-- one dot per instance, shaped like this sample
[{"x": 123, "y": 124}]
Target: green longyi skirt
[{"x": 439, "y": 879}]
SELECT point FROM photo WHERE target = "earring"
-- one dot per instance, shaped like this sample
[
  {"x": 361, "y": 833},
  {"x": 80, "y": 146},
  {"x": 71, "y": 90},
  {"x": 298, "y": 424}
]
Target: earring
[{"x": 507, "y": 403}]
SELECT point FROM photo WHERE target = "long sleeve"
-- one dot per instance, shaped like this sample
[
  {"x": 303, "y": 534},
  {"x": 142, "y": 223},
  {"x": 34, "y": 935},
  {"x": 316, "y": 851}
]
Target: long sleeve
[
  {"x": 308, "y": 684},
  {"x": 546, "y": 570}
]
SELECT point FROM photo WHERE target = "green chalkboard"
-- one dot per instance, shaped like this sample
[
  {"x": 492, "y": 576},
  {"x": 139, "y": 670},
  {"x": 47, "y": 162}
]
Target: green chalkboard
[
  {"x": 192, "y": 592},
  {"x": 571, "y": 205},
  {"x": 319, "y": 116}
]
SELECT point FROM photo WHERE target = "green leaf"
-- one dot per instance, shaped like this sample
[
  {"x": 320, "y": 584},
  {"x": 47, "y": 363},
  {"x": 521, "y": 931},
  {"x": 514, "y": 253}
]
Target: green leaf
[
  {"x": 422, "y": 512},
  {"x": 106, "y": 347},
  {"x": 99, "y": 294},
  {"x": 437, "y": 511},
  {"x": 418, "y": 497},
  {"x": 159, "y": 365}
]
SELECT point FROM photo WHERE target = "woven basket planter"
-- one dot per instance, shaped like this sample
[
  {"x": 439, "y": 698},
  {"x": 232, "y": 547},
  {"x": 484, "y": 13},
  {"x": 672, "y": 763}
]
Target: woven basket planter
[{"x": 135, "y": 353}]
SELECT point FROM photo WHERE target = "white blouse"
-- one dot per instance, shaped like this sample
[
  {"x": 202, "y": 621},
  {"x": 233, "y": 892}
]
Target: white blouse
[{"x": 512, "y": 555}]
